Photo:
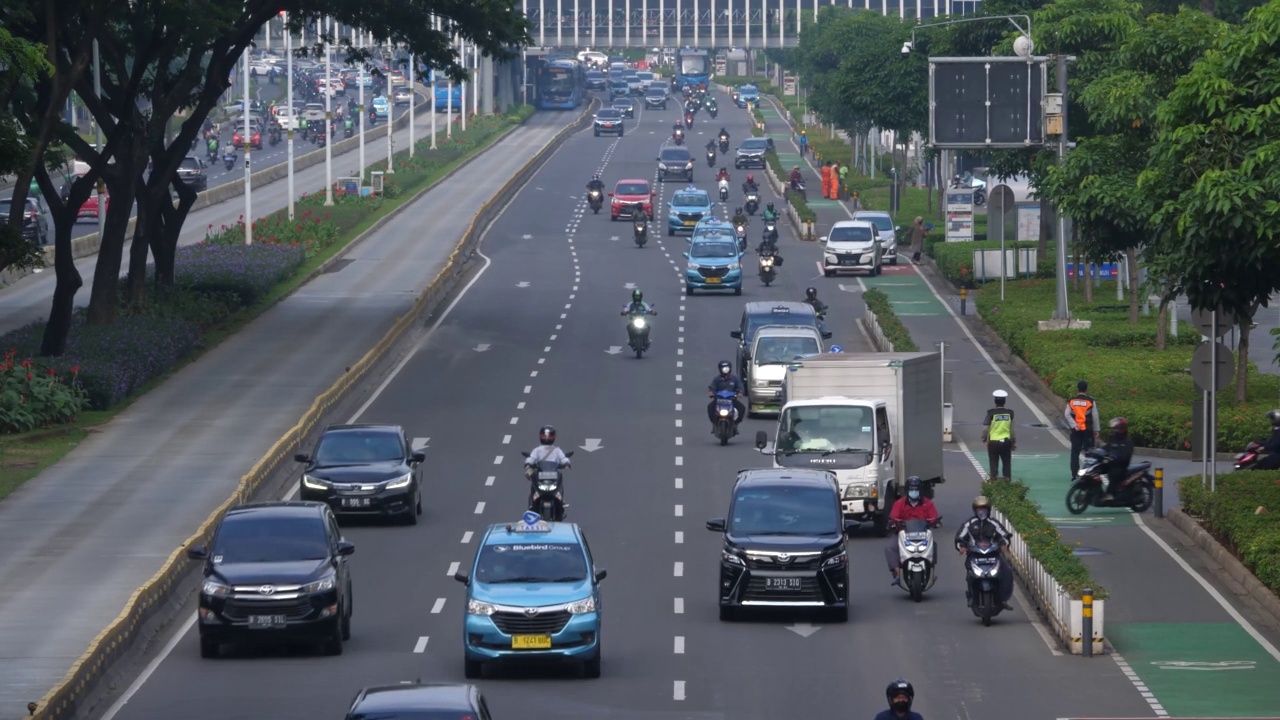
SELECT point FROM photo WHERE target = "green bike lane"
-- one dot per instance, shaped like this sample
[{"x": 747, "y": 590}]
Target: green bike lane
[{"x": 1184, "y": 652}]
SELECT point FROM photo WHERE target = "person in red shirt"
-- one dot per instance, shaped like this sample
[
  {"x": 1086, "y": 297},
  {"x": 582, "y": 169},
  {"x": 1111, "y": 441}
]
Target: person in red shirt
[{"x": 915, "y": 506}]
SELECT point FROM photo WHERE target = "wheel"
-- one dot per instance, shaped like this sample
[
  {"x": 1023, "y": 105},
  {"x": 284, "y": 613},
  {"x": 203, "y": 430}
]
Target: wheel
[
  {"x": 1143, "y": 502},
  {"x": 915, "y": 584},
  {"x": 840, "y": 615},
  {"x": 767, "y": 281},
  {"x": 472, "y": 669},
  {"x": 208, "y": 648},
  {"x": 591, "y": 668},
  {"x": 333, "y": 646},
  {"x": 346, "y": 624},
  {"x": 416, "y": 510},
  {"x": 688, "y": 290},
  {"x": 828, "y": 273},
  {"x": 670, "y": 232},
  {"x": 639, "y": 353},
  {"x": 1078, "y": 499},
  {"x": 619, "y": 133},
  {"x": 597, "y": 134},
  {"x": 894, "y": 261},
  {"x": 737, "y": 291},
  {"x": 728, "y": 614}
]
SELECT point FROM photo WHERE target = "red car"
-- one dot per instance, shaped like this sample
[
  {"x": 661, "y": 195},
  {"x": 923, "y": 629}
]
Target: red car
[
  {"x": 255, "y": 139},
  {"x": 628, "y": 195}
]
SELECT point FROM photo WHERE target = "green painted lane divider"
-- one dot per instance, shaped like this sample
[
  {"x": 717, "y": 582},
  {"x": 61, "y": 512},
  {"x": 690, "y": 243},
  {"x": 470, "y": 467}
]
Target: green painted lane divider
[
  {"x": 908, "y": 293},
  {"x": 1048, "y": 477}
]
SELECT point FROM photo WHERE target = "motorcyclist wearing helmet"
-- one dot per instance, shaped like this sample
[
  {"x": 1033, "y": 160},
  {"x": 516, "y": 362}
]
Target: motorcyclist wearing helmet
[
  {"x": 981, "y": 527},
  {"x": 900, "y": 695},
  {"x": 722, "y": 175},
  {"x": 1119, "y": 449},
  {"x": 770, "y": 213},
  {"x": 1270, "y": 459},
  {"x": 915, "y": 506},
  {"x": 739, "y": 218},
  {"x": 796, "y": 178},
  {"x": 750, "y": 185},
  {"x": 638, "y": 306},
  {"x": 811, "y": 299},
  {"x": 596, "y": 183},
  {"x": 725, "y": 380},
  {"x": 546, "y": 450},
  {"x": 723, "y": 135}
]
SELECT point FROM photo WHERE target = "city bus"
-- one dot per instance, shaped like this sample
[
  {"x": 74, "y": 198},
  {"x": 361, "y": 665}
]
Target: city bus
[
  {"x": 693, "y": 67},
  {"x": 441, "y": 90},
  {"x": 560, "y": 85}
]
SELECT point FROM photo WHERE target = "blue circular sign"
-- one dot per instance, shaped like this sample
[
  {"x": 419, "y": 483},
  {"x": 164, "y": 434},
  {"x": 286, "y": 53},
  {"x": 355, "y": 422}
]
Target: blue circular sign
[{"x": 836, "y": 349}]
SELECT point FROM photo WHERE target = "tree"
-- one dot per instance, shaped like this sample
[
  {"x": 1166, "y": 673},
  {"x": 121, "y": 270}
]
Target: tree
[
  {"x": 1213, "y": 173},
  {"x": 23, "y": 60}
]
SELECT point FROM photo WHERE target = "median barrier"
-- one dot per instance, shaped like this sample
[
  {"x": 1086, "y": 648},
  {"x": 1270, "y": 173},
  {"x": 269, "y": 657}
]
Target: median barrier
[
  {"x": 872, "y": 325},
  {"x": 62, "y": 701}
]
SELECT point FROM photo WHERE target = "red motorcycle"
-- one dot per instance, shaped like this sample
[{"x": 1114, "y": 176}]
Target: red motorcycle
[{"x": 1248, "y": 459}]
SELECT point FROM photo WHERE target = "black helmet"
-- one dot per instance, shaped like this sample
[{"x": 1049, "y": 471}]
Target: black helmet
[
  {"x": 914, "y": 483},
  {"x": 1119, "y": 425},
  {"x": 769, "y": 206},
  {"x": 547, "y": 435},
  {"x": 637, "y": 295},
  {"x": 1274, "y": 417},
  {"x": 811, "y": 293},
  {"x": 900, "y": 687},
  {"x": 725, "y": 367}
]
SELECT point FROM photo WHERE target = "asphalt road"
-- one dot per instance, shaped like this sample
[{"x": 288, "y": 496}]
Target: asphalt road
[
  {"x": 85, "y": 533},
  {"x": 547, "y": 310},
  {"x": 27, "y": 299}
]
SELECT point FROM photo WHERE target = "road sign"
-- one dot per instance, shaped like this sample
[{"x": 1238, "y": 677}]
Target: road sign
[
  {"x": 1203, "y": 320},
  {"x": 986, "y": 102},
  {"x": 1202, "y": 365}
]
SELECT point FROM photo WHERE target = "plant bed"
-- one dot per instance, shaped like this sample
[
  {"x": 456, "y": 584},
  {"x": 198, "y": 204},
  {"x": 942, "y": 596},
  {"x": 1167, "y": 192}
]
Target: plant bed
[
  {"x": 890, "y": 324},
  {"x": 1242, "y": 513},
  {"x": 1043, "y": 540}
]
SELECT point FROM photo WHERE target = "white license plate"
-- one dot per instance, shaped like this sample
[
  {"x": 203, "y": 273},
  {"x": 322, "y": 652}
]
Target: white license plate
[
  {"x": 266, "y": 622},
  {"x": 356, "y": 502},
  {"x": 782, "y": 583}
]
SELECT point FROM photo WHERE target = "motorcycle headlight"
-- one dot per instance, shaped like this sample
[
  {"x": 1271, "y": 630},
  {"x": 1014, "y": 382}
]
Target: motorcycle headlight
[
  {"x": 324, "y": 584},
  {"x": 402, "y": 481},
  {"x": 475, "y": 607},
  {"x": 582, "y": 607},
  {"x": 836, "y": 560},
  {"x": 731, "y": 558},
  {"x": 766, "y": 261},
  {"x": 213, "y": 588},
  {"x": 546, "y": 487},
  {"x": 638, "y": 323},
  {"x": 724, "y": 412},
  {"x": 1082, "y": 472},
  {"x": 314, "y": 484}
]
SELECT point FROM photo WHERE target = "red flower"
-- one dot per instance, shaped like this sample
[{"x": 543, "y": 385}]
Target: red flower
[
  {"x": 75, "y": 369},
  {"x": 28, "y": 376},
  {"x": 52, "y": 372}
]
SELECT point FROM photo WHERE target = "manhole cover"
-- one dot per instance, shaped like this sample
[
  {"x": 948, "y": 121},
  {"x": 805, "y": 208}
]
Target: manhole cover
[
  {"x": 1085, "y": 551},
  {"x": 337, "y": 266}
]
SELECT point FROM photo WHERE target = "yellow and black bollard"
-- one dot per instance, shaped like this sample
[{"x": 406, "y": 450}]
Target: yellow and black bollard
[
  {"x": 808, "y": 230},
  {"x": 964, "y": 296},
  {"x": 1157, "y": 498},
  {"x": 1086, "y": 626}
]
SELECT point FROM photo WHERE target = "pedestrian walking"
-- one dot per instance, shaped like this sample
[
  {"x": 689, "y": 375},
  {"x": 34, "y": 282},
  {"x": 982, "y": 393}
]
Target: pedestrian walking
[
  {"x": 835, "y": 179},
  {"x": 1082, "y": 417},
  {"x": 844, "y": 180},
  {"x": 999, "y": 437},
  {"x": 826, "y": 180},
  {"x": 916, "y": 235}
]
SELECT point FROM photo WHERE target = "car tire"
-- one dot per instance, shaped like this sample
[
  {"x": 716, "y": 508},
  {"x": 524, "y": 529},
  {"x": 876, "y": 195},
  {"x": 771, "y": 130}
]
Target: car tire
[
  {"x": 737, "y": 290},
  {"x": 411, "y": 518},
  {"x": 728, "y": 613},
  {"x": 670, "y": 232},
  {"x": 597, "y": 133},
  {"x": 346, "y": 623},
  {"x": 688, "y": 289},
  {"x": 828, "y": 273},
  {"x": 591, "y": 668},
  {"x": 840, "y": 615},
  {"x": 333, "y": 645},
  {"x": 208, "y": 648},
  {"x": 472, "y": 669},
  {"x": 620, "y": 133}
]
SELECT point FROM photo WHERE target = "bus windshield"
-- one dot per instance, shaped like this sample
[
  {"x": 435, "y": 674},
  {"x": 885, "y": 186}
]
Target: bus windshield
[
  {"x": 558, "y": 81},
  {"x": 693, "y": 64}
]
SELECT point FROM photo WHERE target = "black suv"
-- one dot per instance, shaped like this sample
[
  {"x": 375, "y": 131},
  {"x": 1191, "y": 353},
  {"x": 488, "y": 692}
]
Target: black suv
[
  {"x": 608, "y": 121},
  {"x": 275, "y": 572},
  {"x": 420, "y": 701},
  {"x": 369, "y": 470},
  {"x": 760, "y": 313},
  {"x": 784, "y": 543},
  {"x": 751, "y": 153},
  {"x": 191, "y": 172},
  {"x": 675, "y": 162}
]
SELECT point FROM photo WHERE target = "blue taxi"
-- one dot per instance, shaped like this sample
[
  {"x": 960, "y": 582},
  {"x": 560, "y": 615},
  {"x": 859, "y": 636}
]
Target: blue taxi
[
  {"x": 533, "y": 594},
  {"x": 747, "y": 94},
  {"x": 380, "y": 107},
  {"x": 686, "y": 208},
  {"x": 714, "y": 259}
]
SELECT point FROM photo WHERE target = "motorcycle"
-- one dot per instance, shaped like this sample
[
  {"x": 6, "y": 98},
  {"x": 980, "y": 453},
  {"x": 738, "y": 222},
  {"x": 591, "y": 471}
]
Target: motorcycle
[
  {"x": 726, "y": 416},
  {"x": 348, "y": 129},
  {"x": 982, "y": 571},
  {"x": 712, "y": 110},
  {"x": 724, "y": 144},
  {"x": 638, "y": 333},
  {"x": 771, "y": 229},
  {"x": 767, "y": 271},
  {"x": 724, "y": 190},
  {"x": 213, "y": 152},
  {"x": 711, "y": 157},
  {"x": 547, "y": 497},
  {"x": 677, "y": 137},
  {"x": 229, "y": 159},
  {"x": 798, "y": 188},
  {"x": 596, "y": 200},
  {"x": 917, "y": 556},
  {"x": 640, "y": 224},
  {"x": 741, "y": 232},
  {"x": 753, "y": 203},
  {"x": 273, "y": 137},
  {"x": 978, "y": 187},
  {"x": 688, "y": 120},
  {"x": 1135, "y": 492},
  {"x": 1253, "y": 453}
]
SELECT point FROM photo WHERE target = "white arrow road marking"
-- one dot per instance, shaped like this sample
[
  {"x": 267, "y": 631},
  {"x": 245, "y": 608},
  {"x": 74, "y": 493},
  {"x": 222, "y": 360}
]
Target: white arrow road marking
[
  {"x": 630, "y": 286},
  {"x": 420, "y": 443},
  {"x": 526, "y": 237},
  {"x": 615, "y": 238},
  {"x": 481, "y": 347},
  {"x": 593, "y": 444},
  {"x": 850, "y": 288},
  {"x": 614, "y": 349},
  {"x": 804, "y": 629},
  {"x": 523, "y": 283}
]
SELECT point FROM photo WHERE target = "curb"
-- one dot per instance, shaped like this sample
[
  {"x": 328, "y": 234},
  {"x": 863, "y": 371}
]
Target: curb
[
  {"x": 1235, "y": 570},
  {"x": 60, "y": 702}
]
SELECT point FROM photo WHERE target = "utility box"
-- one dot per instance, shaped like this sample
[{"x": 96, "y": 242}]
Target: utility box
[{"x": 1198, "y": 448}]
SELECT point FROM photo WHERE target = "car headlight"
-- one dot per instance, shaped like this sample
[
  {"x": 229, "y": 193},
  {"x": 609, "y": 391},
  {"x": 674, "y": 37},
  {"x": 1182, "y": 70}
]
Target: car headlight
[
  {"x": 692, "y": 265},
  {"x": 638, "y": 323},
  {"x": 582, "y": 607},
  {"x": 213, "y": 588},
  {"x": 313, "y": 483},
  {"x": 836, "y": 560},
  {"x": 731, "y": 558},
  {"x": 324, "y": 584},
  {"x": 662, "y": 166},
  {"x": 475, "y": 607},
  {"x": 402, "y": 481},
  {"x": 852, "y": 492},
  {"x": 688, "y": 165},
  {"x": 734, "y": 267}
]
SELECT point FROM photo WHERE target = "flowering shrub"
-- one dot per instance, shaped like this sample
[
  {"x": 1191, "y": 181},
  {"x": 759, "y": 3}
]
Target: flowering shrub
[
  {"x": 34, "y": 395},
  {"x": 249, "y": 271}
]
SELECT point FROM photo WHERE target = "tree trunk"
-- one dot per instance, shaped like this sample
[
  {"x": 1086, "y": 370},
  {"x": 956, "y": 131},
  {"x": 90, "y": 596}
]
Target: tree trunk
[
  {"x": 1162, "y": 325},
  {"x": 1242, "y": 357},
  {"x": 1046, "y": 228},
  {"x": 104, "y": 296},
  {"x": 1131, "y": 265},
  {"x": 165, "y": 239},
  {"x": 58, "y": 327},
  {"x": 143, "y": 230}
]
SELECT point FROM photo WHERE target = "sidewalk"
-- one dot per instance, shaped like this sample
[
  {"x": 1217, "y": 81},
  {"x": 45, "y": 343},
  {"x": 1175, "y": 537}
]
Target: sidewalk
[
  {"x": 85, "y": 534},
  {"x": 1163, "y": 621}
]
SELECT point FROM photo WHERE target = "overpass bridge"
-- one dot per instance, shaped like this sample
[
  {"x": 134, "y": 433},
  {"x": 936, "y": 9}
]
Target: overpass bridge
[{"x": 746, "y": 24}]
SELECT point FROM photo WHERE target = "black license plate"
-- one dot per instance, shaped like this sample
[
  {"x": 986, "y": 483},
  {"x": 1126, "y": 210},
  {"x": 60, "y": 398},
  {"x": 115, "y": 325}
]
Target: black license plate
[
  {"x": 266, "y": 622},
  {"x": 849, "y": 261},
  {"x": 360, "y": 502},
  {"x": 789, "y": 584}
]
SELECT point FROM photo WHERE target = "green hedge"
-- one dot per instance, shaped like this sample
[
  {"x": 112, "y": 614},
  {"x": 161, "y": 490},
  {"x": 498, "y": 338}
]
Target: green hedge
[
  {"x": 1231, "y": 514},
  {"x": 520, "y": 113},
  {"x": 890, "y": 324},
  {"x": 1042, "y": 538},
  {"x": 1153, "y": 390}
]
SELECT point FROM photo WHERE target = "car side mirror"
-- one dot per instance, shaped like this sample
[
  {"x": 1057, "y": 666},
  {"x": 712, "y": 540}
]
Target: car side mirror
[
  {"x": 462, "y": 578},
  {"x": 658, "y": 159},
  {"x": 715, "y": 524},
  {"x": 610, "y": 194},
  {"x": 826, "y": 335},
  {"x": 197, "y": 552},
  {"x": 850, "y": 526},
  {"x": 822, "y": 239},
  {"x": 302, "y": 458},
  {"x": 419, "y": 456},
  {"x": 735, "y": 334},
  {"x": 345, "y": 548},
  {"x": 601, "y": 574},
  {"x": 897, "y": 228},
  {"x": 686, "y": 255},
  {"x": 762, "y": 440}
]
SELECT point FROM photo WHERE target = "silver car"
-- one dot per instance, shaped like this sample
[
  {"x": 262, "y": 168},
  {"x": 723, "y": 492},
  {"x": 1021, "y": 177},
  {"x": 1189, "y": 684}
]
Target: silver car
[{"x": 886, "y": 229}]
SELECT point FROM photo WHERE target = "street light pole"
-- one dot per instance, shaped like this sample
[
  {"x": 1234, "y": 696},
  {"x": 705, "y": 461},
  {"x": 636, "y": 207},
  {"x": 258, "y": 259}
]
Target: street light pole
[
  {"x": 248, "y": 145},
  {"x": 360, "y": 79},
  {"x": 97, "y": 133},
  {"x": 328, "y": 117},
  {"x": 293, "y": 114},
  {"x": 413, "y": 98},
  {"x": 391, "y": 114}
]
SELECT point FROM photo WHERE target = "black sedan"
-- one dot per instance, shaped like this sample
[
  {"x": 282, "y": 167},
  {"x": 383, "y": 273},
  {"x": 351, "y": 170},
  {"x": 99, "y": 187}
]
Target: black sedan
[
  {"x": 626, "y": 106},
  {"x": 364, "y": 470}
]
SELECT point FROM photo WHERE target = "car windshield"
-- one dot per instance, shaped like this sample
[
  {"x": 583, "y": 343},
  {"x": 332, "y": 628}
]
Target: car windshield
[
  {"x": 829, "y": 428},
  {"x": 248, "y": 539},
  {"x": 631, "y": 189},
  {"x": 645, "y": 75},
  {"x": 622, "y": 103},
  {"x": 594, "y": 75},
  {"x": 690, "y": 199},
  {"x": 754, "y": 144},
  {"x": 656, "y": 92},
  {"x": 675, "y": 154},
  {"x": 882, "y": 222},
  {"x": 189, "y": 163},
  {"x": 748, "y": 89},
  {"x": 619, "y": 83},
  {"x": 402, "y": 90},
  {"x": 714, "y": 250},
  {"x": 784, "y": 511},
  {"x": 531, "y": 563},
  {"x": 347, "y": 448},
  {"x": 770, "y": 350},
  {"x": 608, "y": 115},
  {"x": 850, "y": 233}
]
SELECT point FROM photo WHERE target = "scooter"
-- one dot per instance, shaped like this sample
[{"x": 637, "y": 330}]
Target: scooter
[
  {"x": 688, "y": 120},
  {"x": 547, "y": 497},
  {"x": 596, "y": 200},
  {"x": 917, "y": 556},
  {"x": 767, "y": 271},
  {"x": 797, "y": 188},
  {"x": 711, "y": 157},
  {"x": 982, "y": 571},
  {"x": 677, "y": 137},
  {"x": 1135, "y": 492},
  {"x": 229, "y": 159},
  {"x": 753, "y": 203},
  {"x": 771, "y": 229},
  {"x": 723, "y": 185},
  {"x": 638, "y": 332},
  {"x": 726, "y": 416},
  {"x": 712, "y": 110},
  {"x": 724, "y": 144},
  {"x": 1253, "y": 453},
  {"x": 741, "y": 232},
  {"x": 640, "y": 224}
]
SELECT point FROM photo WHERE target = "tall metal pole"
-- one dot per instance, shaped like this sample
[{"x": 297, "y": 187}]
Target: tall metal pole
[
  {"x": 413, "y": 98},
  {"x": 679, "y": 33},
  {"x": 462, "y": 112},
  {"x": 360, "y": 80},
  {"x": 577, "y": 18},
  {"x": 1062, "y": 312},
  {"x": 293, "y": 114},
  {"x": 432, "y": 82},
  {"x": 328, "y": 118},
  {"x": 391, "y": 143},
  {"x": 697, "y": 30},
  {"x": 627, "y": 30},
  {"x": 559, "y": 33},
  {"x": 542, "y": 23},
  {"x": 477, "y": 80},
  {"x": 248, "y": 177},
  {"x": 1211, "y": 447},
  {"x": 97, "y": 134},
  {"x": 610, "y": 21},
  {"x": 797, "y": 22},
  {"x": 644, "y": 23}
]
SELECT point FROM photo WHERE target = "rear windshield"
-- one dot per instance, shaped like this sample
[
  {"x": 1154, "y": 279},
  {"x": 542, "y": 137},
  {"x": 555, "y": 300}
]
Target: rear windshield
[
  {"x": 675, "y": 154},
  {"x": 656, "y": 92},
  {"x": 882, "y": 222}
]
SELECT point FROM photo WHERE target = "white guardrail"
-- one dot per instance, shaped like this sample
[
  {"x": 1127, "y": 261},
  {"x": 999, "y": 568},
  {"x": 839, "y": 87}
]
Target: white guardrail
[
  {"x": 875, "y": 332},
  {"x": 1065, "y": 615}
]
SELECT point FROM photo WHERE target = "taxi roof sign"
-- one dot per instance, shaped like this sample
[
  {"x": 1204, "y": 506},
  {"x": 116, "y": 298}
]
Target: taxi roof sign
[{"x": 530, "y": 522}]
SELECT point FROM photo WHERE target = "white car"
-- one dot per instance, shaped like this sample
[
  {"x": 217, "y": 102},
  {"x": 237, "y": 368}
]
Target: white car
[
  {"x": 888, "y": 231},
  {"x": 852, "y": 245},
  {"x": 287, "y": 120}
]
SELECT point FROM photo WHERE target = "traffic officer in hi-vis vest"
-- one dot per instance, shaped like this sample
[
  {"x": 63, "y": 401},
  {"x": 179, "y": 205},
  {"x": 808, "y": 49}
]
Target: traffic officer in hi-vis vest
[
  {"x": 998, "y": 435},
  {"x": 1082, "y": 417}
]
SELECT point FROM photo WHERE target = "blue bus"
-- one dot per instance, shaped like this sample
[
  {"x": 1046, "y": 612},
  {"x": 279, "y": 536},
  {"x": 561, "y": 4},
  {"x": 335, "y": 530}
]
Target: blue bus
[
  {"x": 560, "y": 85},
  {"x": 441, "y": 88},
  {"x": 693, "y": 67}
]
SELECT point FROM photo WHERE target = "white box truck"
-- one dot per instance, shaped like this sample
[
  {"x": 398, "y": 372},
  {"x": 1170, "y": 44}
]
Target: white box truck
[{"x": 872, "y": 418}]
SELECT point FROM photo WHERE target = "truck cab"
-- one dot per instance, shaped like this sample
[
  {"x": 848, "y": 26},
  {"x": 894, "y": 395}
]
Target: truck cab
[{"x": 775, "y": 347}]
